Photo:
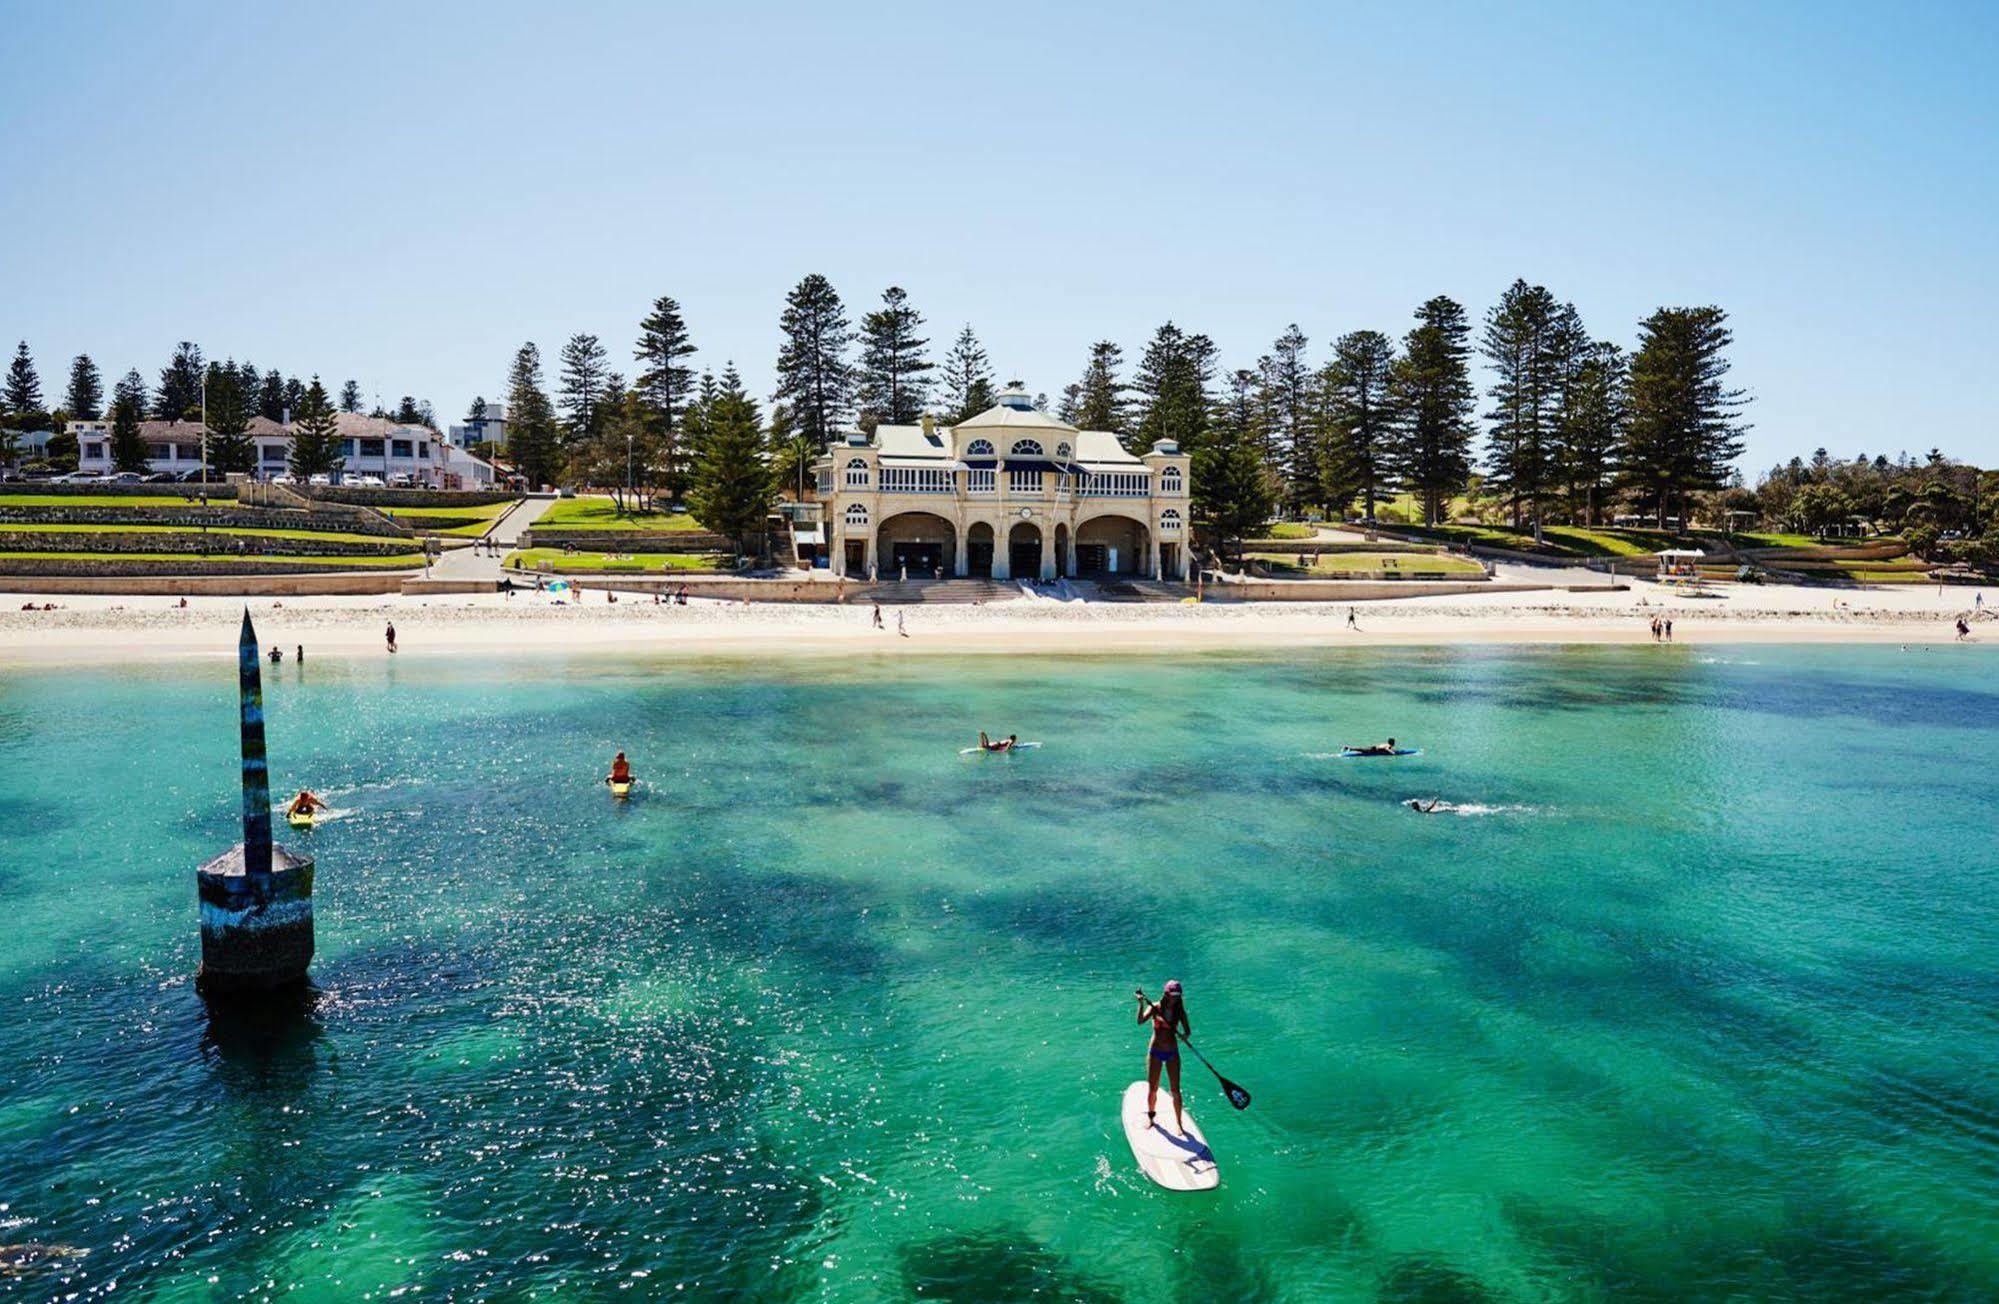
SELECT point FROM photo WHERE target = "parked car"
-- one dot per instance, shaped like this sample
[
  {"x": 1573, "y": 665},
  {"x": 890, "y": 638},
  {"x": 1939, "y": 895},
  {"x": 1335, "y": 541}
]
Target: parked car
[
  {"x": 369, "y": 481},
  {"x": 197, "y": 476},
  {"x": 284, "y": 477},
  {"x": 163, "y": 477},
  {"x": 321, "y": 478},
  {"x": 125, "y": 477},
  {"x": 402, "y": 480},
  {"x": 80, "y": 477}
]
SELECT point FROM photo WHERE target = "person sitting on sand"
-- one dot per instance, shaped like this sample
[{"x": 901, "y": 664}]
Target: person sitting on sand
[
  {"x": 621, "y": 770},
  {"x": 1416, "y": 805},
  {"x": 1169, "y": 1024},
  {"x": 1005, "y": 744},
  {"x": 306, "y": 803}
]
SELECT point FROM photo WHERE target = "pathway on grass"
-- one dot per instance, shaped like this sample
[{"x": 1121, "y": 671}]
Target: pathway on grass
[{"x": 475, "y": 563}]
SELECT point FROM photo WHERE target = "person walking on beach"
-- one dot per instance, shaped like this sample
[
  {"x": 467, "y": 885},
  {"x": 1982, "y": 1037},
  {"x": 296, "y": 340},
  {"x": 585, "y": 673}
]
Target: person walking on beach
[
  {"x": 390, "y": 634},
  {"x": 1353, "y": 619},
  {"x": 1169, "y": 1024},
  {"x": 901, "y": 628},
  {"x": 299, "y": 655},
  {"x": 878, "y": 617},
  {"x": 1963, "y": 630},
  {"x": 1669, "y": 631}
]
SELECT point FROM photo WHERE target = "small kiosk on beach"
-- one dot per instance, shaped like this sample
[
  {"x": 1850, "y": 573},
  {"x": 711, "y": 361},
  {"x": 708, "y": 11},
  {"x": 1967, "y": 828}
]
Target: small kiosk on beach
[{"x": 1681, "y": 567}]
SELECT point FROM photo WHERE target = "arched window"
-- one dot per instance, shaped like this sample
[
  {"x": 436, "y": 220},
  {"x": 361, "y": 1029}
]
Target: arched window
[
  {"x": 1169, "y": 480},
  {"x": 979, "y": 448},
  {"x": 857, "y": 473},
  {"x": 1169, "y": 522},
  {"x": 1025, "y": 448},
  {"x": 857, "y": 515},
  {"x": 1063, "y": 450}
]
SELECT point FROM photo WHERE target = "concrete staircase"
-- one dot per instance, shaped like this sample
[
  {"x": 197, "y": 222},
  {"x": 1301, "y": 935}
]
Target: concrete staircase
[
  {"x": 1132, "y": 590},
  {"x": 939, "y": 592}
]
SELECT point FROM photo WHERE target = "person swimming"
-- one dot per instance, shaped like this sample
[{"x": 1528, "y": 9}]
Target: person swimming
[
  {"x": 1169, "y": 1024},
  {"x": 1416, "y": 805},
  {"x": 1005, "y": 744}
]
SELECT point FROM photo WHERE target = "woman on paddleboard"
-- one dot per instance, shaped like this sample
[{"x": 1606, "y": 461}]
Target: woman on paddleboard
[{"x": 1169, "y": 1024}]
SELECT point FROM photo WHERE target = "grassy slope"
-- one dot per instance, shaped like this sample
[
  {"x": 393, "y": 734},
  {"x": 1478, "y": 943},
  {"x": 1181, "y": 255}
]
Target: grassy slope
[
  {"x": 108, "y": 500},
  {"x": 219, "y": 531},
  {"x": 279, "y": 563},
  {"x": 1346, "y": 563},
  {"x": 602, "y": 514},
  {"x": 600, "y": 561}
]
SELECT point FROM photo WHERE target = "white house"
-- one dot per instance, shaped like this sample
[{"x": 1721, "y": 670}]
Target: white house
[
  {"x": 492, "y": 428},
  {"x": 372, "y": 446},
  {"x": 1009, "y": 493}
]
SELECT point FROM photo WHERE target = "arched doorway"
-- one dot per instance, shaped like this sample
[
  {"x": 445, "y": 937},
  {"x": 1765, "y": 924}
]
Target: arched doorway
[
  {"x": 1062, "y": 552},
  {"x": 979, "y": 550},
  {"x": 1111, "y": 545},
  {"x": 1023, "y": 551},
  {"x": 919, "y": 544}
]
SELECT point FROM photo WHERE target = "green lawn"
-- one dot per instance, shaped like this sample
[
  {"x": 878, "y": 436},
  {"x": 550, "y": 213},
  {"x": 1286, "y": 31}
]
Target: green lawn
[
  {"x": 1556, "y": 540},
  {"x": 387, "y": 563},
  {"x": 109, "y": 500},
  {"x": 219, "y": 531},
  {"x": 603, "y": 514},
  {"x": 1334, "y": 564},
  {"x": 485, "y": 512},
  {"x": 531, "y": 559},
  {"x": 1291, "y": 530}
]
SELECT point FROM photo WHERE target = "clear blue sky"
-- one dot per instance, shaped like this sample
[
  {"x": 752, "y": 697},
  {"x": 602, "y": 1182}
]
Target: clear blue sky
[{"x": 403, "y": 193}]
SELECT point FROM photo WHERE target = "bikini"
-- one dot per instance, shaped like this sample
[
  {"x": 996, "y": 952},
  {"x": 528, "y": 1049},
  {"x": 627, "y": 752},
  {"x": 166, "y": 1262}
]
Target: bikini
[{"x": 1166, "y": 1026}]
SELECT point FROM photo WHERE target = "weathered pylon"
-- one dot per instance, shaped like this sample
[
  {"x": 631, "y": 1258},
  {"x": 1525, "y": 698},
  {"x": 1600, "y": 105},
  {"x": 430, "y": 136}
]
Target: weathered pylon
[{"x": 256, "y": 898}]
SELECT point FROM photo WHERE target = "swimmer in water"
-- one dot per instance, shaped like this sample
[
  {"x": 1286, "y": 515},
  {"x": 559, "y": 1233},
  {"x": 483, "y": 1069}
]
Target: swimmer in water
[{"x": 1415, "y": 805}]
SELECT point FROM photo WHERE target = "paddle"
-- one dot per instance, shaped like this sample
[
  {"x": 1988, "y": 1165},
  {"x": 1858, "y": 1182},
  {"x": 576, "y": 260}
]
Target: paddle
[{"x": 1236, "y": 1094}]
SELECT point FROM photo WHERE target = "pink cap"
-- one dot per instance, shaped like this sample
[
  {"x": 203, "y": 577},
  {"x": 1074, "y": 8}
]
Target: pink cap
[{"x": 1173, "y": 986}]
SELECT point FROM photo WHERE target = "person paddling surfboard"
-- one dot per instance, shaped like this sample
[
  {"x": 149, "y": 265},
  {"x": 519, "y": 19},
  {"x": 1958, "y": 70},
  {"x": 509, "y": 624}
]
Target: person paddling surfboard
[{"x": 1169, "y": 1024}]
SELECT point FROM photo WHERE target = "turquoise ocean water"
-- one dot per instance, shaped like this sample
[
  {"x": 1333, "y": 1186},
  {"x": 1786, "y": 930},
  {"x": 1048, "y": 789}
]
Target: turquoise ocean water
[{"x": 1696, "y": 996}]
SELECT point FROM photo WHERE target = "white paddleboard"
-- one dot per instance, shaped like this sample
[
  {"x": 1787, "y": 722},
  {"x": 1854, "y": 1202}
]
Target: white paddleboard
[{"x": 1177, "y": 1161}]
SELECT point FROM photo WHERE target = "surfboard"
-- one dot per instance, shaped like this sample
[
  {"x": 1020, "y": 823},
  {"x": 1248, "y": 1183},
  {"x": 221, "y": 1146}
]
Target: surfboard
[
  {"x": 299, "y": 821},
  {"x": 974, "y": 751},
  {"x": 622, "y": 791},
  {"x": 1175, "y": 1161},
  {"x": 1356, "y": 754}
]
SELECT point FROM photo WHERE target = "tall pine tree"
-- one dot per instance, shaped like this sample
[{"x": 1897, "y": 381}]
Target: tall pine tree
[
  {"x": 132, "y": 388},
  {"x": 1234, "y": 490},
  {"x": 733, "y": 492},
  {"x": 1288, "y": 404},
  {"x": 1101, "y": 402},
  {"x": 1431, "y": 390},
  {"x": 580, "y": 386},
  {"x": 531, "y": 430},
  {"x": 315, "y": 448},
  {"x": 24, "y": 390},
  {"x": 271, "y": 395},
  {"x": 1522, "y": 345},
  {"x": 813, "y": 375},
  {"x": 179, "y": 395},
  {"x": 230, "y": 447},
  {"x": 1354, "y": 443},
  {"x": 85, "y": 399},
  {"x": 128, "y": 445},
  {"x": 967, "y": 379},
  {"x": 350, "y": 396},
  {"x": 894, "y": 377},
  {"x": 665, "y": 384},
  {"x": 1685, "y": 429},
  {"x": 1593, "y": 426},
  {"x": 1172, "y": 387}
]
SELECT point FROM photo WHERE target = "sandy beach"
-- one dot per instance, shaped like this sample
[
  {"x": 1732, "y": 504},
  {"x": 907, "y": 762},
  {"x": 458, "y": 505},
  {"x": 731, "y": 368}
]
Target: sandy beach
[{"x": 110, "y": 629}]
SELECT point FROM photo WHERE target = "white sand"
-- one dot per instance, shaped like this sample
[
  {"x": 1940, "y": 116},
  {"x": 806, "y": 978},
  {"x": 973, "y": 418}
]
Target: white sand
[{"x": 152, "y": 629}]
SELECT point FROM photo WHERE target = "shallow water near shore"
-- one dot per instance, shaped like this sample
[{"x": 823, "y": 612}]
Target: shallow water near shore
[{"x": 1690, "y": 993}]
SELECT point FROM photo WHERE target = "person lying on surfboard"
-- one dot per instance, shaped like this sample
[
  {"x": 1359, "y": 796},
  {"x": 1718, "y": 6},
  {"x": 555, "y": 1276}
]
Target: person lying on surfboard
[
  {"x": 621, "y": 770},
  {"x": 1005, "y": 744},
  {"x": 1169, "y": 1024},
  {"x": 1375, "y": 749},
  {"x": 305, "y": 804}
]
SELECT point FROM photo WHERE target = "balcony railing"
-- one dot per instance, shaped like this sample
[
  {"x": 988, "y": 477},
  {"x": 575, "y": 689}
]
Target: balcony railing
[
  {"x": 1117, "y": 484},
  {"x": 915, "y": 480},
  {"x": 981, "y": 482}
]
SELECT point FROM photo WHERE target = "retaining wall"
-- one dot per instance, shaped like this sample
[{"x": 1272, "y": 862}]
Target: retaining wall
[
  {"x": 43, "y": 489},
  {"x": 627, "y": 540},
  {"x": 357, "y": 496},
  {"x": 44, "y": 575}
]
